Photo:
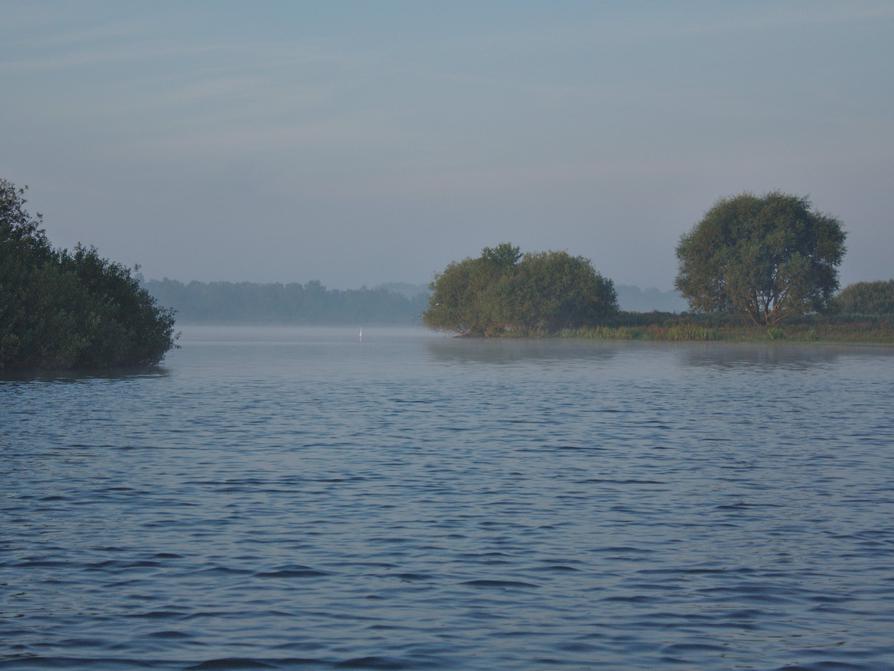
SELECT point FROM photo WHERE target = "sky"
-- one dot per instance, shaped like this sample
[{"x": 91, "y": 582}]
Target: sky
[{"x": 365, "y": 142}]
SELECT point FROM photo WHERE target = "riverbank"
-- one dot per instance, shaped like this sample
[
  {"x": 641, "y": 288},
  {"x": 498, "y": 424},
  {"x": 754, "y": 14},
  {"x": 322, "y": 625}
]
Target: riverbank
[{"x": 701, "y": 328}]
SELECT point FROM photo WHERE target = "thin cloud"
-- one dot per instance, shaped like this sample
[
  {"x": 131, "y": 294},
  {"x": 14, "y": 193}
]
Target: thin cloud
[{"x": 98, "y": 57}]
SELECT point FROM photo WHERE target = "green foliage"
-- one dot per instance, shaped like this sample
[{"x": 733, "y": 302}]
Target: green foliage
[
  {"x": 60, "y": 309},
  {"x": 675, "y": 333},
  {"x": 504, "y": 255},
  {"x": 665, "y": 326},
  {"x": 769, "y": 258},
  {"x": 866, "y": 298},
  {"x": 502, "y": 292},
  {"x": 551, "y": 291},
  {"x": 775, "y": 333},
  {"x": 294, "y": 303}
]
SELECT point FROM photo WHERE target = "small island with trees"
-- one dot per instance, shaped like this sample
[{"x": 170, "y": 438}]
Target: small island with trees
[{"x": 750, "y": 266}]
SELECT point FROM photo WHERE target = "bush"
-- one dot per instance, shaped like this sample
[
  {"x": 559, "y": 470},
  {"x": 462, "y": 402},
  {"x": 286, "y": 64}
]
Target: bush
[
  {"x": 866, "y": 298},
  {"x": 64, "y": 310},
  {"x": 504, "y": 293}
]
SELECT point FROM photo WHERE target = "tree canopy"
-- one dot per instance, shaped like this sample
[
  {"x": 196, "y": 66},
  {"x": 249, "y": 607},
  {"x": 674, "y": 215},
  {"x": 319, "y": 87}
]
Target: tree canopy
[
  {"x": 62, "y": 309},
  {"x": 866, "y": 298},
  {"x": 769, "y": 258},
  {"x": 503, "y": 291}
]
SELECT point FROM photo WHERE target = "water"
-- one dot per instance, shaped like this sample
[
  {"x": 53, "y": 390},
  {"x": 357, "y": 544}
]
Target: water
[{"x": 294, "y": 498}]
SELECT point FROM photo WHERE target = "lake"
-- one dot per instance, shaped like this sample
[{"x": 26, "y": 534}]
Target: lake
[{"x": 298, "y": 498}]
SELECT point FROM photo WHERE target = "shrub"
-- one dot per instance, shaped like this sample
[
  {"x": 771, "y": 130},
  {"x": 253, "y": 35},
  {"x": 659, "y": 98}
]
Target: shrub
[{"x": 62, "y": 310}]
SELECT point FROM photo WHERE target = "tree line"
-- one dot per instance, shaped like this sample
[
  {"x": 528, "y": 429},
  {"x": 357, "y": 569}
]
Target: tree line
[
  {"x": 293, "y": 303},
  {"x": 765, "y": 259}
]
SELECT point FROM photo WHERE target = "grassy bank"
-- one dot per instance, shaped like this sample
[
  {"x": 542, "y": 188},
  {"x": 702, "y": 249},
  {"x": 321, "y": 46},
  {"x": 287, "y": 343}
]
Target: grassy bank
[{"x": 703, "y": 328}]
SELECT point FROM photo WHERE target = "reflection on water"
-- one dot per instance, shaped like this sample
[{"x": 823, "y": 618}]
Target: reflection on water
[
  {"x": 500, "y": 351},
  {"x": 776, "y": 356},
  {"x": 299, "y": 498},
  {"x": 10, "y": 376},
  {"x": 772, "y": 356}
]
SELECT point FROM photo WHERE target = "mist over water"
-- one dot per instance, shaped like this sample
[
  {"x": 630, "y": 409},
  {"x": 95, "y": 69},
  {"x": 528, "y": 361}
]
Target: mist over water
[
  {"x": 306, "y": 497},
  {"x": 295, "y": 498}
]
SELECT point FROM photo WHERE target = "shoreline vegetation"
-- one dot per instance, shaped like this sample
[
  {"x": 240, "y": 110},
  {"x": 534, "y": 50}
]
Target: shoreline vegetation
[
  {"x": 853, "y": 329},
  {"x": 692, "y": 327},
  {"x": 70, "y": 310},
  {"x": 754, "y": 269},
  {"x": 873, "y": 331}
]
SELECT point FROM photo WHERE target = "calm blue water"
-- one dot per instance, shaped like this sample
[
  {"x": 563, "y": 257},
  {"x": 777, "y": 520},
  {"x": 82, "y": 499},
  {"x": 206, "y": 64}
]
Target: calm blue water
[{"x": 293, "y": 498}]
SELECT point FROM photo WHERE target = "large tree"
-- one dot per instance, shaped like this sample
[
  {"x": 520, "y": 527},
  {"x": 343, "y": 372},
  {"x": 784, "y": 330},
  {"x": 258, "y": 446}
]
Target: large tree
[{"x": 770, "y": 258}]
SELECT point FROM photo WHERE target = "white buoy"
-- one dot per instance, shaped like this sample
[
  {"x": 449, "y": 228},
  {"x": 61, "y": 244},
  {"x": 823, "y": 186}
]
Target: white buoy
[{"x": 361, "y": 335}]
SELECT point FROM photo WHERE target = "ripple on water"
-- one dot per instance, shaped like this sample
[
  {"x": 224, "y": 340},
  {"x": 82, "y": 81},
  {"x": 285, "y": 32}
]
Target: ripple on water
[{"x": 417, "y": 502}]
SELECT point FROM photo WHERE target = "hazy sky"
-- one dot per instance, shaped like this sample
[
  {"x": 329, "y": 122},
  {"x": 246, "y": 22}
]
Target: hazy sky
[{"x": 363, "y": 142}]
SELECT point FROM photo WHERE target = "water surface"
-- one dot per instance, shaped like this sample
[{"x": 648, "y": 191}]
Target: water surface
[{"x": 295, "y": 498}]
